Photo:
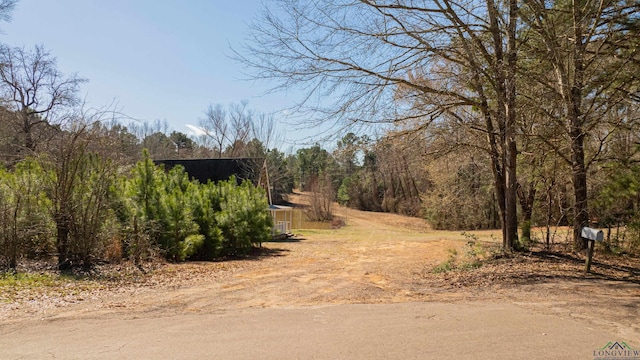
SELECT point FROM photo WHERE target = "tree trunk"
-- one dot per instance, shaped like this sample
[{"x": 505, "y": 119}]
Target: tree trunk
[
  {"x": 62, "y": 240},
  {"x": 510, "y": 133},
  {"x": 511, "y": 215},
  {"x": 13, "y": 251},
  {"x": 581, "y": 214},
  {"x": 505, "y": 87},
  {"x": 27, "y": 125},
  {"x": 526, "y": 204},
  {"x": 526, "y": 201},
  {"x": 498, "y": 176}
]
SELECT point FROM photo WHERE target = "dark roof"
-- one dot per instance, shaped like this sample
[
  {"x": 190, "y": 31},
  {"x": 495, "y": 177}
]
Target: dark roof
[{"x": 216, "y": 170}]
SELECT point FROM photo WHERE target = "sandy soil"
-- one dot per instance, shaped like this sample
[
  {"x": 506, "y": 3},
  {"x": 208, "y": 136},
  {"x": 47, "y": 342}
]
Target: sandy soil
[{"x": 373, "y": 259}]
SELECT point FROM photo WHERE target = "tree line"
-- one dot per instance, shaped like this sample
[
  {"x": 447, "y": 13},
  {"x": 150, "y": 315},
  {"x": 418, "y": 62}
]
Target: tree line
[
  {"x": 428, "y": 174},
  {"x": 540, "y": 98}
]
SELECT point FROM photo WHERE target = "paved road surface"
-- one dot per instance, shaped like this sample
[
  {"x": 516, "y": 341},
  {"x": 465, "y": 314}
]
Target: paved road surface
[{"x": 385, "y": 331}]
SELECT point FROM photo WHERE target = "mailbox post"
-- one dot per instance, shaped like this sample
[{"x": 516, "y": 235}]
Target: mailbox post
[{"x": 591, "y": 235}]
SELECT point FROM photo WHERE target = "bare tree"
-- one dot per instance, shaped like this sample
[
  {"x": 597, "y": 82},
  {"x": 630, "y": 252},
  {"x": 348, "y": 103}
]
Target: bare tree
[
  {"x": 35, "y": 89},
  {"x": 240, "y": 128},
  {"x": 142, "y": 129},
  {"x": 231, "y": 130},
  {"x": 216, "y": 126},
  {"x": 79, "y": 180},
  {"x": 265, "y": 130}
]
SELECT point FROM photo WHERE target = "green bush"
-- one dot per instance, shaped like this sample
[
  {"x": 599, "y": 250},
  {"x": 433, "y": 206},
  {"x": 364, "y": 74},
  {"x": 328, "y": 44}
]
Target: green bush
[
  {"x": 75, "y": 203},
  {"x": 205, "y": 203},
  {"x": 244, "y": 219},
  {"x": 188, "y": 220},
  {"x": 162, "y": 209}
]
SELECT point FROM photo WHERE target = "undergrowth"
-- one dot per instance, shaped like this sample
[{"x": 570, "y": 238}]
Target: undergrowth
[{"x": 474, "y": 253}]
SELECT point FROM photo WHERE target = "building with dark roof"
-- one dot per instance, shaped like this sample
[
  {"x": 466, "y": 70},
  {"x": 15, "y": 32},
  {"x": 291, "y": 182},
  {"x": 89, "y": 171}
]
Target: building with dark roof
[{"x": 215, "y": 170}]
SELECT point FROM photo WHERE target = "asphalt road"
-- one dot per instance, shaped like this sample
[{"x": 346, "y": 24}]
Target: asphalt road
[{"x": 385, "y": 331}]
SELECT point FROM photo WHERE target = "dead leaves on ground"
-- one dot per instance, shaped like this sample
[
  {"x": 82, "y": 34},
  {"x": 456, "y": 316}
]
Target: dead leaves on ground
[{"x": 526, "y": 268}]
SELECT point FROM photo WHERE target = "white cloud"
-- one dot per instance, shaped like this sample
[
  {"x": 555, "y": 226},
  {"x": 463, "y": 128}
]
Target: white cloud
[{"x": 195, "y": 130}]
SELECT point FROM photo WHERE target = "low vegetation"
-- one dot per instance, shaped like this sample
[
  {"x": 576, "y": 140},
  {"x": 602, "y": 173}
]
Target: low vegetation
[
  {"x": 473, "y": 256},
  {"x": 86, "y": 210}
]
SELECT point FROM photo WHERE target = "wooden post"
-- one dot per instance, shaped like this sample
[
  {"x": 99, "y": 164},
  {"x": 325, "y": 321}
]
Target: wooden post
[
  {"x": 591, "y": 236},
  {"x": 587, "y": 262}
]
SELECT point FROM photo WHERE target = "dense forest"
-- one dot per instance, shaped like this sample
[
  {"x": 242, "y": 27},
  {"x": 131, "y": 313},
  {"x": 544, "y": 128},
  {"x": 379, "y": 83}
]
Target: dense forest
[{"x": 526, "y": 117}]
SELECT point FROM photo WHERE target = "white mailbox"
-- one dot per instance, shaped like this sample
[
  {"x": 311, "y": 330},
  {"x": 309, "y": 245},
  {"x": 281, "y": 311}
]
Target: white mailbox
[{"x": 592, "y": 234}]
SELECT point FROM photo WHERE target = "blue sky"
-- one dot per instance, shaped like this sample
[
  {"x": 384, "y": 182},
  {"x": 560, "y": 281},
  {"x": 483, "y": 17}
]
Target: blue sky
[{"x": 165, "y": 60}]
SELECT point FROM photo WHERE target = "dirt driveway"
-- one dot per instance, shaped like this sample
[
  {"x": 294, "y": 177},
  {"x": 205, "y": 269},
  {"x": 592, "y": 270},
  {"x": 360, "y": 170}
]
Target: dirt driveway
[{"x": 378, "y": 260}]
